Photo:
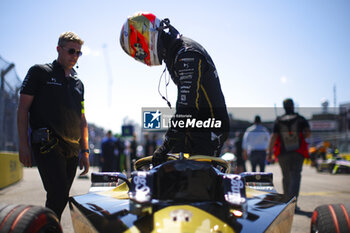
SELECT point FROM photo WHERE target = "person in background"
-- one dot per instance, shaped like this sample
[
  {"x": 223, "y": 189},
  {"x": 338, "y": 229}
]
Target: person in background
[
  {"x": 239, "y": 154},
  {"x": 147, "y": 148},
  {"x": 121, "y": 161},
  {"x": 255, "y": 143},
  {"x": 52, "y": 101},
  {"x": 287, "y": 143},
  {"x": 154, "y": 143},
  {"x": 108, "y": 150},
  {"x": 133, "y": 151}
]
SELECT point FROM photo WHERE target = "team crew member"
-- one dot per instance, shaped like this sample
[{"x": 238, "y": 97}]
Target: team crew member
[
  {"x": 255, "y": 143},
  {"x": 288, "y": 144},
  {"x": 52, "y": 99},
  {"x": 151, "y": 41}
]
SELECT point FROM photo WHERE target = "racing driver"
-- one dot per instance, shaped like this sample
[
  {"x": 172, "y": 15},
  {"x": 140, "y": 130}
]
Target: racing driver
[{"x": 200, "y": 99}]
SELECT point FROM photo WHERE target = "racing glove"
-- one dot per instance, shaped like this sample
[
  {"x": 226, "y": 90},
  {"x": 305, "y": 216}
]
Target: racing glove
[{"x": 160, "y": 155}]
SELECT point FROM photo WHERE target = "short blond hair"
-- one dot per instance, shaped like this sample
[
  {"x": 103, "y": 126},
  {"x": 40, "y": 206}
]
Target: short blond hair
[{"x": 69, "y": 37}]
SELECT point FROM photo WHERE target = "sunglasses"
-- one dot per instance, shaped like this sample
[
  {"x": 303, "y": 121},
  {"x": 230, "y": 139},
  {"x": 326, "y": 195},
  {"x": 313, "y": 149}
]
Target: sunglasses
[{"x": 72, "y": 51}]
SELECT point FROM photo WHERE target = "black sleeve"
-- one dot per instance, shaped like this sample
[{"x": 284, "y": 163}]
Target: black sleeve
[
  {"x": 83, "y": 92},
  {"x": 79, "y": 85},
  {"x": 33, "y": 81},
  {"x": 304, "y": 124},
  {"x": 276, "y": 128},
  {"x": 189, "y": 68}
]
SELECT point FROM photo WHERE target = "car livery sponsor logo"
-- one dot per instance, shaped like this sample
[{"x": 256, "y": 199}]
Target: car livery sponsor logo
[
  {"x": 141, "y": 183},
  {"x": 234, "y": 194},
  {"x": 53, "y": 81}
]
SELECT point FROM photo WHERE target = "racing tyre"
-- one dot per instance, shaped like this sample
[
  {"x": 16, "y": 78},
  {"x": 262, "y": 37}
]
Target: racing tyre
[
  {"x": 331, "y": 218},
  {"x": 28, "y": 219}
]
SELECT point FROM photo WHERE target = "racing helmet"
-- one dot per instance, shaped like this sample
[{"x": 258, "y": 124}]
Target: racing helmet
[{"x": 139, "y": 38}]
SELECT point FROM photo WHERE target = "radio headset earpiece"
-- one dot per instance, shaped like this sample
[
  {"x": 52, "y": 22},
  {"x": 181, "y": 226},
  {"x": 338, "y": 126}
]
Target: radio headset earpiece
[
  {"x": 171, "y": 36},
  {"x": 166, "y": 85},
  {"x": 164, "y": 24}
]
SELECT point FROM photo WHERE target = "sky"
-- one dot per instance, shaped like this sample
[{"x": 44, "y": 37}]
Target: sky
[{"x": 264, "y": 51}]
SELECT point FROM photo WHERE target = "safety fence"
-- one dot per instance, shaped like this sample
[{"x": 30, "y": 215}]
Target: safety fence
[{"x": 9, "y": 93}]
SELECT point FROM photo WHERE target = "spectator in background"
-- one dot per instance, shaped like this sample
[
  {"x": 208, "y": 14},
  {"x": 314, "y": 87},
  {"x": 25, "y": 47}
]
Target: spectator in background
[
  {"x": 147, "y": 148},
  {"x": 288, "y": 143},
  {"x": 239, "y": 154},
  {"x": 255, "y": 143},
  {"x": 108, "y": 149},
  {"x": 133, "y": 151},
  {"x": 120, "y": 163},
  {"x": 154, "y": 143}
]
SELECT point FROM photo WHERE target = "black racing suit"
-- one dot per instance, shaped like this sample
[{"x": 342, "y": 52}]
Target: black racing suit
[{"x": 199, "y": 99}]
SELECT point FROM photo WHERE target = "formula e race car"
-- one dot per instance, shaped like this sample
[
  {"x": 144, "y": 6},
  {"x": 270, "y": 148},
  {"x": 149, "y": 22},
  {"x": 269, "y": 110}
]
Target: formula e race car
[
  {"x": 334, "y": 165},
  {"x": 195, "y": 194}
]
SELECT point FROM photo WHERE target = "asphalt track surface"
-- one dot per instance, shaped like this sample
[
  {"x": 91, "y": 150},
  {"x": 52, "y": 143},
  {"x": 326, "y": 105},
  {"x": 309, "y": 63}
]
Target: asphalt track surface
[{"x": 316, "y": 189}]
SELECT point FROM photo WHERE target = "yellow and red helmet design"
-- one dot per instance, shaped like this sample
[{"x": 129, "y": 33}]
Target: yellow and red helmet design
[{"x": 139, "y": 38}]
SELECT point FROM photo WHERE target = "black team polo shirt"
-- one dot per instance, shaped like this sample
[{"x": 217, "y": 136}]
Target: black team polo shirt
[{"x": 58, "y": 101}]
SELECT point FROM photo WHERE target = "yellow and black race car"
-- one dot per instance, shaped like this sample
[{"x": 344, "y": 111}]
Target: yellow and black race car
[
  {"x": 193, "y": 194},
  {"x": 196, "y": 194}
]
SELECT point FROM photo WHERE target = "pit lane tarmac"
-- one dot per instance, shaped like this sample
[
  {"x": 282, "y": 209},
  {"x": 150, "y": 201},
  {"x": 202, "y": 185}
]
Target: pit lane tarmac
[{"x": 316, "y": 189}]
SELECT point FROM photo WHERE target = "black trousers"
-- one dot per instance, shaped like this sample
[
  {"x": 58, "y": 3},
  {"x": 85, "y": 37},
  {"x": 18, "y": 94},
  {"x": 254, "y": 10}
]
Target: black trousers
[
  {"x": 57, "y": 174},
  {"x": 258, "y": 158},
  {"x": 291, "y": 164}
]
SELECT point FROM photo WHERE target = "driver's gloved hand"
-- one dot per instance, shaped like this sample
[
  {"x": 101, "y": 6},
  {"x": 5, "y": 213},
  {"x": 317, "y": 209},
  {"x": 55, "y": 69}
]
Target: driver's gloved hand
[{"x": 159, "y": 156}]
